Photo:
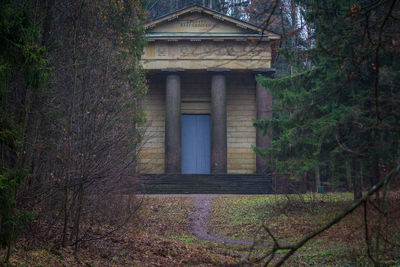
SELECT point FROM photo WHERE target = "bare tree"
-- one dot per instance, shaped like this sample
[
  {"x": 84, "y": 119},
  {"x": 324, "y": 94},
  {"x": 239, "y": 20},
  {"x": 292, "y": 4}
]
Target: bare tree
[{"x": 85, "y": 134}]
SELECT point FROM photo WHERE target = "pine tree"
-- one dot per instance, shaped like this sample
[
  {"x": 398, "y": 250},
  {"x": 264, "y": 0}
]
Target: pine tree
[
  {"x": 342, "y": 108},
  {"x": 23, "y": 69}
]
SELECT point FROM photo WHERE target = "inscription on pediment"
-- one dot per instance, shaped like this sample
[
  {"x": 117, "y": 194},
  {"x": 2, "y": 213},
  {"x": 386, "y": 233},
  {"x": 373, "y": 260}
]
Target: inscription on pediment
[{"x": 197, "y": 23}]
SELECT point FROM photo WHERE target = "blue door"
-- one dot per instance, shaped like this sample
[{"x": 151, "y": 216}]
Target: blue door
[{"x": 196, "y": 144}]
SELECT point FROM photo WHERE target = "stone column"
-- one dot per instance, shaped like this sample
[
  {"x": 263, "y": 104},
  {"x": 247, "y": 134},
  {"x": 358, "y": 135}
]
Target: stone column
[
  {"x": 218, "y": 124},
  {"x": 264, "y": 103},
  {"x": 173, "y": 124}
]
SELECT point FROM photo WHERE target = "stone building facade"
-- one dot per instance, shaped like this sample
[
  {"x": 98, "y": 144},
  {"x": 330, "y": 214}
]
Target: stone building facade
[{"x": 203, "y": 96}]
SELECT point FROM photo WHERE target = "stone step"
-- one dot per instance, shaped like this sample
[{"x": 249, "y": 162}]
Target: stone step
[{"x": 204, "y": 184}]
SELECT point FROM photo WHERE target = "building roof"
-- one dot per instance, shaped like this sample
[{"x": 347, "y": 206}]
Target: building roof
[{"x": 240, "y": 29}]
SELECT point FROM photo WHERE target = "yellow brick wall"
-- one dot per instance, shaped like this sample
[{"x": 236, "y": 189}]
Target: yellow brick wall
[
  {"x": 241, "y": 109},
  {"x": 153, "y": 149},
  {"x": 195, "y": 92}
]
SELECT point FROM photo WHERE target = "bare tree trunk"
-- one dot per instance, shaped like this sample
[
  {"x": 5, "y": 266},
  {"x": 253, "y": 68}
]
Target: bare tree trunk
[
  {"x": 78, "y": 216},
  {"x": 317, "y": 179},
  {"x": 70, "y": 120},
  {"x": 8, "y": 254},
  {"x": 348, "y": 176},
  {"x": 376, "y": 176},
  {"x": 356, "y": 181},
  {"x": 48, "y": 19}
]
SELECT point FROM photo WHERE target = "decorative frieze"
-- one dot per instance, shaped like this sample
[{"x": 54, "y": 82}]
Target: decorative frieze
[{"x": 207, "y": 50}]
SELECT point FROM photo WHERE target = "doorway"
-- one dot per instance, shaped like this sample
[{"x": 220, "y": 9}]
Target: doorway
[{"x": 196, "y": 144}]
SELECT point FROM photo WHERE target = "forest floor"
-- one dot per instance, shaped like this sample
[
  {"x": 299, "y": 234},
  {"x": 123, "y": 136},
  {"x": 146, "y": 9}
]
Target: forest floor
[{"x": 219, "y": 230}]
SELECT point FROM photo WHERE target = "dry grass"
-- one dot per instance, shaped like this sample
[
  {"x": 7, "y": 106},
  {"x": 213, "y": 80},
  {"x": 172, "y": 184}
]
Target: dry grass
[
  {"x": 160, "y": 234},
  {"x": 292, "y": 217}
]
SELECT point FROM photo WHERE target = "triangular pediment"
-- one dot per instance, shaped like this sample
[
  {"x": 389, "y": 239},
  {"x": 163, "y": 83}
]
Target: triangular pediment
[
  {"x": 198, "y": 23},
  {"x": 197, "y": 20}
]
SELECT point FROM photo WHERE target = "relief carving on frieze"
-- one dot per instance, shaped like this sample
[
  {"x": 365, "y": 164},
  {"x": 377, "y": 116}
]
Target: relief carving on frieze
[
  {"x": 161, "y": 50},
  {"x": 186, "y": 50},
  {"x": 203, "y": 50}
]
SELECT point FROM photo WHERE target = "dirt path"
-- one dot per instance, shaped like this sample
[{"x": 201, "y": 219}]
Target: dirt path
[{"x": 200, "y": 217}]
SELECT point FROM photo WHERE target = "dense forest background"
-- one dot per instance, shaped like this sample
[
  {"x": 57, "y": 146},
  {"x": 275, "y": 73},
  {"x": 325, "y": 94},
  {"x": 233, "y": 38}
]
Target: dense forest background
[
  {"x": 71, "y": 123},
  {"x": 70, "y": 85}
]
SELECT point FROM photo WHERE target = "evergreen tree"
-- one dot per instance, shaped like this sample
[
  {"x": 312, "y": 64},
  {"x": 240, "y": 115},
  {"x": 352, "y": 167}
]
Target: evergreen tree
[
  {"x": 340, "y": 109},
  {"x": 22, "y": 70}
]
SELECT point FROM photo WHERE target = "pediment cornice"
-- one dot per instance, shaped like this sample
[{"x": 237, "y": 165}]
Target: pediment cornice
[{"x": 199, "y": 23}]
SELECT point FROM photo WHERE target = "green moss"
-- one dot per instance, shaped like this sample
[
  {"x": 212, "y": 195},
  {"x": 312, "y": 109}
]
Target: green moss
[{"x": 185, "y": 238}]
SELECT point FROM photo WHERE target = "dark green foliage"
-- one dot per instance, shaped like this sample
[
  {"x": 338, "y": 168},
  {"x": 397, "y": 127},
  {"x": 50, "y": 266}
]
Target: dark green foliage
[
  {"x": 12, "y": 220},
  {"x": 20, "y": 59},
  {"x": 22, "y": 68},
  {"x": 18, "y": 48},
  {"x": 343, "y": 107}
]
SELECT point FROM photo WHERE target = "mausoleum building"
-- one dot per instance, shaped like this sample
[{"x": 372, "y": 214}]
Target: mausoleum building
[{"x": 201, "y": 68}]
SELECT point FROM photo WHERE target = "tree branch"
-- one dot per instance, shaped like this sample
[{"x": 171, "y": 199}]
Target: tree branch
[{"x": 337, "y": 219}]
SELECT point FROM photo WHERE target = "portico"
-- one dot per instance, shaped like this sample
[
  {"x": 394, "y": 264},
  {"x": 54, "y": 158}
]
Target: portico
[{"x": 203, "y": 95}]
